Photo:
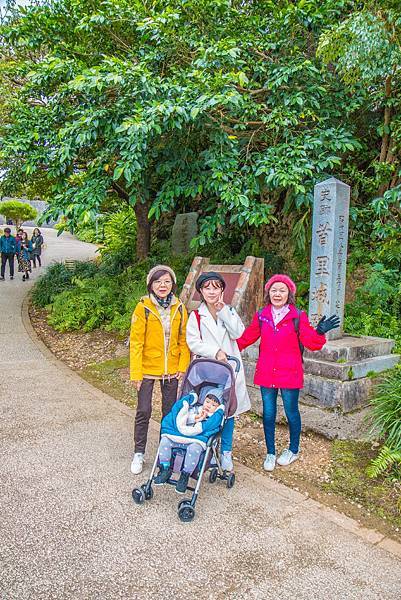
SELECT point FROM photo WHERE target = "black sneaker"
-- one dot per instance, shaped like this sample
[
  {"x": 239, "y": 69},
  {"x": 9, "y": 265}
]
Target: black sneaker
[
  {"x": 10, "y": 278},
  {"x": 182, "y": 483},
  {"x": 1, "y": 278},
  {"x": 163, "y": 475}
]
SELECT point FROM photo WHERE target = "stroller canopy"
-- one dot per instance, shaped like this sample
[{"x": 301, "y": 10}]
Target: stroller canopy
[{"x": 206, "y": 372}]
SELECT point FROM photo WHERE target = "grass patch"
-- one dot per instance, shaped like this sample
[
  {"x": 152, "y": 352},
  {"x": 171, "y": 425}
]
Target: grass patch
[
  {"x": 106, "y": 376},
  {"x": 348, "y": 478}
]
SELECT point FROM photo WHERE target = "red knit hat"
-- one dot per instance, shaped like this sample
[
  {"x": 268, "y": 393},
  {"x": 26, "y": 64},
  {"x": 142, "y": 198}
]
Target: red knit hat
[{"x": 282, "y": 279}]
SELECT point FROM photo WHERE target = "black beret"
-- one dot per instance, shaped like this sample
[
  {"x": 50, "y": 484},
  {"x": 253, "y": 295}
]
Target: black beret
[{"x": 209, "y": 276}]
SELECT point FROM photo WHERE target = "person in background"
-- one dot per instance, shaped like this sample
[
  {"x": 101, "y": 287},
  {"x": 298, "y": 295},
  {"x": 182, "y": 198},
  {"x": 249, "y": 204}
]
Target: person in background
[
  {"x": 283, "y": 330},
  {"x": 37, "y": 243},
  {"x": 18, "y": 235},
  {"x": 24, "y": 249},
  {"x": 8, "y": 248}
]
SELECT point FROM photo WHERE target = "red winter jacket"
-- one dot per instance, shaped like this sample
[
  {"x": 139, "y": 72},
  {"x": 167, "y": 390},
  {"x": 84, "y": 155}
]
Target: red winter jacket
[{"x": 280, "y": 360}]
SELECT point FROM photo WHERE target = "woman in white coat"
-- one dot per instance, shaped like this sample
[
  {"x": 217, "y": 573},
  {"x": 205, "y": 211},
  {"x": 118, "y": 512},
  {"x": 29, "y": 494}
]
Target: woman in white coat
[{"x": 211, "y": 333}]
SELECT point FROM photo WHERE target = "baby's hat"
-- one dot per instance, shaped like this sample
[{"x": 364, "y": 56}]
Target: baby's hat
[{"x": 210, "y": 390}]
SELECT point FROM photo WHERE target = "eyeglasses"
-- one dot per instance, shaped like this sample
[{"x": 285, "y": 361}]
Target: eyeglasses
[{"x": 160, "y": 282}]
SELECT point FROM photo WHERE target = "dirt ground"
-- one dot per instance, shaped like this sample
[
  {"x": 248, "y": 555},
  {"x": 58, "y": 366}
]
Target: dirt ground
[{"x": 330, "y": 471}]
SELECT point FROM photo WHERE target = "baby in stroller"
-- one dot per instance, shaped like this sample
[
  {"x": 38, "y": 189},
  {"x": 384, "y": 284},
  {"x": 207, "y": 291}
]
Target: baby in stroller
[
  {"x": 190, "y": 433},
  {"x": 189, "y": 425}
]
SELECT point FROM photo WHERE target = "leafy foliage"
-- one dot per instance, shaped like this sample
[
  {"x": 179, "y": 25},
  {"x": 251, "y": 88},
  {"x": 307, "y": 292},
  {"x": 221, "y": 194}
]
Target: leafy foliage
[
  {"x": 377, "y": 305},
  {"x": 119, "y": 234},
  {"x": 175, "y": 105},
  {"x": 386, "y": 419},
  {"x": 387, "y": 461},
  {"x": 386, "y": 409},
  {"x": 17, "y": 211},
  {"x": 57, "y": 279}
]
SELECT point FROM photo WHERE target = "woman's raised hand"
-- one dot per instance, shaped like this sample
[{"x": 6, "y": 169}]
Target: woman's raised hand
[
  {"x": 326, "y": 324},
  {"x": 220, "y": 302},
  {"x": 221, "y": 355}
]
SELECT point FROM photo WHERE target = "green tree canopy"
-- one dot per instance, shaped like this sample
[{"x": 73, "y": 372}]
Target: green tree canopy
[{"x": 220, "y": 106}]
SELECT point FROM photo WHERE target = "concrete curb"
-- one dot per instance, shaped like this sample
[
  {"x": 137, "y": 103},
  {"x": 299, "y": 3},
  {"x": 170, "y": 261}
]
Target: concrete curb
[{"x": 300, "y": 500}]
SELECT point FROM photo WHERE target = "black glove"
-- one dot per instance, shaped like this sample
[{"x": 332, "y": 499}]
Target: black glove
[{"x": 326, "y": 325}]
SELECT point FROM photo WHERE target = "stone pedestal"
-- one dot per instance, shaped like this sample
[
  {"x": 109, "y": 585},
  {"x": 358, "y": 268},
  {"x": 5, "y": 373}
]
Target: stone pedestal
[{"x": 339, "y": 376}]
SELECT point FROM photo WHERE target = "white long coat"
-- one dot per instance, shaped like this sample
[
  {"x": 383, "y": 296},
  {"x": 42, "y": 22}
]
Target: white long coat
[{"x": 221, "y": 335}]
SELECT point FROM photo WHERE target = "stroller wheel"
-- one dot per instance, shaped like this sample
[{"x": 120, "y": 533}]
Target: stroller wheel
[
  {"x": 138, "y": 495},
  {"x": 213, "y": 475},
  {"x": 230, "y": 480},
  {"x": 186, "y": 513},
  {"x": 183, "y": 502},
  {"x": 148, "y": 493}
]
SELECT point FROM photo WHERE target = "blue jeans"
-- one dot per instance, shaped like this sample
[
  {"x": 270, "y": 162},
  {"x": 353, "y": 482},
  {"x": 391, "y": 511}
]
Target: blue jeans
[
  {"x": 227, "y": 435},
  {"x": 290, "y": 402}
]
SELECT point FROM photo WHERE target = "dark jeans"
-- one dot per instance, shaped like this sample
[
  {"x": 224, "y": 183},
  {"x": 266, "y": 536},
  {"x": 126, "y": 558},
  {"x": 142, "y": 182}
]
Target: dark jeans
[
  {"x": 34, "y": 257},
  {"x": 10, "y": 258},
  {"x": 290, "y": 402},
  {"x": 144, "y": 408}
]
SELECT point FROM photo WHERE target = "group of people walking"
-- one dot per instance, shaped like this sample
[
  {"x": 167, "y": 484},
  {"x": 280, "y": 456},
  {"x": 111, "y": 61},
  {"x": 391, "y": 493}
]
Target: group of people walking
[
  {"x": 163, "y": 338},
  {"x": 27, "y": 251}
]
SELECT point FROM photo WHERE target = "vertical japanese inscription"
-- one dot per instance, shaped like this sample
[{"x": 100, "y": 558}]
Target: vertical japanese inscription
[{"x": 329, "y": 250}]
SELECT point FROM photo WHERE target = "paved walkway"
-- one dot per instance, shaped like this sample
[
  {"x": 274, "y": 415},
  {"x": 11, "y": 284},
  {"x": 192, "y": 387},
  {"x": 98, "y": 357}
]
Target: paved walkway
[{"x": 69, "y": 529}]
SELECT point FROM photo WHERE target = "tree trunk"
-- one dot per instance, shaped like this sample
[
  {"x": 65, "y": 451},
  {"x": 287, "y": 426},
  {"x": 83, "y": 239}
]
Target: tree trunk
[
  {"x": 387, "y": 118},
  {"x": 385, "y": 150},
  {"x": 143, "y": 229},
  {"x": 142, "y": 222}
]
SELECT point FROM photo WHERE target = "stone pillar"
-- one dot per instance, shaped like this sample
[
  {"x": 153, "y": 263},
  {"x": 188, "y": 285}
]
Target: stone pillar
[{"x": 329, "y": 252}]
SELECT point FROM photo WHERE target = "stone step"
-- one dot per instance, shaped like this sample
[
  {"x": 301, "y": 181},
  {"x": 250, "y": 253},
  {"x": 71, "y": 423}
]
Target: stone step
[
  {"x": 332, "y": 393},
  {"x": 352, "y": 348},
  {"x": 348, "y": 371}
]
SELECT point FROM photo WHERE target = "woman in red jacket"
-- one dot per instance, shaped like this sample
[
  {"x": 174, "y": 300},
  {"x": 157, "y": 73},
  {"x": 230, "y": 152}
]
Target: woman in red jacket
[{"x": 283, "y": 330}]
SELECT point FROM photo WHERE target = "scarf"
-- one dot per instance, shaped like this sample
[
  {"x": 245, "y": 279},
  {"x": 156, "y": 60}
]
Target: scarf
[{"x": 163, "y": 302}]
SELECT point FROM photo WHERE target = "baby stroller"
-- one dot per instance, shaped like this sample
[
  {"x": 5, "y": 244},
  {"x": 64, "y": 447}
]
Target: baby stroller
[{"x": 201, "y": 373}]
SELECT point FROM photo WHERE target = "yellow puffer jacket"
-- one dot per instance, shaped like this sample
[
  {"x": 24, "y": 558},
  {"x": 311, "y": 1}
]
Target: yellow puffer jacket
[{"x": 148, "y": 354}]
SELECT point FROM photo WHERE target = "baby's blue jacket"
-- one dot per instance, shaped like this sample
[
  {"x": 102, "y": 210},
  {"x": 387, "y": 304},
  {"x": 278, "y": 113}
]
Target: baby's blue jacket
[{"x": 174, "y": 424}]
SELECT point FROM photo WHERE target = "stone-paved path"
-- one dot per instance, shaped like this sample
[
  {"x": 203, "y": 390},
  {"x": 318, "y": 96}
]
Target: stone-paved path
[{"x": 69, "y": 529}]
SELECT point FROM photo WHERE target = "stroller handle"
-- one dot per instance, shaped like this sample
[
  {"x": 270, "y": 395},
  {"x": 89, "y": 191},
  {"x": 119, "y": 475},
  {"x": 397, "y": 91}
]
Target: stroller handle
[{"x": 235, "y": 360}]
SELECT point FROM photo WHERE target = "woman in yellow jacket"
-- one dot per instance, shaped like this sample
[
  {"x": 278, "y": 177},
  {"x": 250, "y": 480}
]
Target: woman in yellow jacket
[{"x": 158, "y": 351}]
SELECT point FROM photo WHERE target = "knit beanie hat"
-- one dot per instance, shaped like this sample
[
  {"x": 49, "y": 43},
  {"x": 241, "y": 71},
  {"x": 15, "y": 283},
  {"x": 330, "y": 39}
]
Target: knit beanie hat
[
  {"x": 279, "y": 278},
  {"x": 210, "y": 390},
  {"x": 161, "y": 268}
]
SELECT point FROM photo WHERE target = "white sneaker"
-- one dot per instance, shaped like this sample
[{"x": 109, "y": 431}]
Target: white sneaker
[
  {"x": 227, "y": 461},
  {"x": 137, "y": 463},
  {"x": 287, "y": 457},
  {"x": 270, "y": 462}
]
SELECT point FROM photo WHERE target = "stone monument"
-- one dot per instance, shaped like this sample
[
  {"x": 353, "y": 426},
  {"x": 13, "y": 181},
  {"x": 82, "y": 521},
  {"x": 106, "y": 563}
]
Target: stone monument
[
  {"x": 337, "y": 375},
  {"x": 185, "y": 228},
  {"x": 329, "y": 252}
]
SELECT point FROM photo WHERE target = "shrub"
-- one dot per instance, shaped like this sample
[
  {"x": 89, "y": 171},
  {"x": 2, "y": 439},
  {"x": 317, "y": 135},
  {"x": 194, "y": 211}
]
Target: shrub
[
  {"x": 376, "y": 308},
  {"x": 57, "y": 279},
  {"x": 386, "y": 419},
  {"x": 87, "y": 306},
  {"x": 119, "y": 233}
]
